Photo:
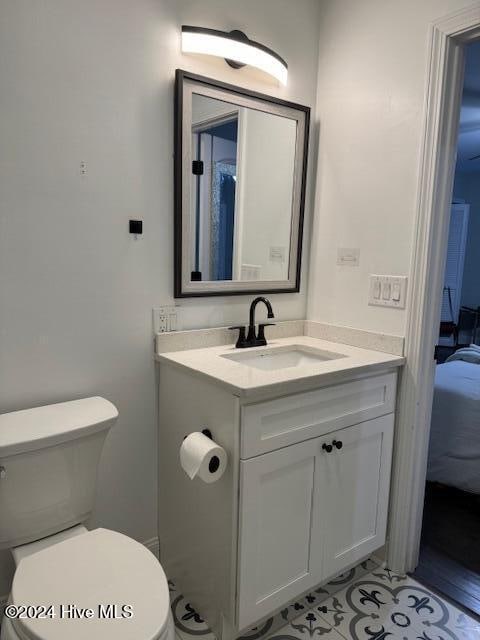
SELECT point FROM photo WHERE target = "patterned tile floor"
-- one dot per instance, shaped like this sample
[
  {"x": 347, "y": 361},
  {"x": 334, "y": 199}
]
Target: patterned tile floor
[{"x": 366, "y": 603}]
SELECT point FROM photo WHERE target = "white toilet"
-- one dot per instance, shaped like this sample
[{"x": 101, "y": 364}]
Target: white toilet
[{"x": 48, "y": 468}]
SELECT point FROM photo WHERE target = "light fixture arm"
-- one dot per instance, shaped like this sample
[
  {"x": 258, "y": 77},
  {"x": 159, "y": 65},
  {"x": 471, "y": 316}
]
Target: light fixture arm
[
  {"x": 241, "y": 37},
  {"x": 236, "y": 48}
]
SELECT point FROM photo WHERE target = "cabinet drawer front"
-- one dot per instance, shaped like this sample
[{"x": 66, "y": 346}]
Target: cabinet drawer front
[{"x": 267, "y": 426}]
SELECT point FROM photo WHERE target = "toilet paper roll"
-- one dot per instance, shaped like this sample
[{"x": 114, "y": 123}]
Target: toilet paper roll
[{"x": 200, "y": 456}]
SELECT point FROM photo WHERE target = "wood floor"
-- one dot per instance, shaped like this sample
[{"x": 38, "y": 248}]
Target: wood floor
[{"x": 450, "y": 551}]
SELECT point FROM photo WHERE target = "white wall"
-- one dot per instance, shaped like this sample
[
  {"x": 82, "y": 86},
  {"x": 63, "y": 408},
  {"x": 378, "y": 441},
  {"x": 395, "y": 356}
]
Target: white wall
[
  {"x": 467, "y": 186},
  {"x": 371, "y": 87},
  {"x": 93, "y": 81},
  {"x": 266, "y": 188}
]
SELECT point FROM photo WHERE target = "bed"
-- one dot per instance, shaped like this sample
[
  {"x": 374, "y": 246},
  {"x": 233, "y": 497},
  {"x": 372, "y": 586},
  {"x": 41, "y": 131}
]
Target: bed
[{"x": 454, "y": 453}]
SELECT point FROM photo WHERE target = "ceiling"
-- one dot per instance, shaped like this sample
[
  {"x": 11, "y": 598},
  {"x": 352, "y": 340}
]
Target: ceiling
[{"x": 469, "y": 136}]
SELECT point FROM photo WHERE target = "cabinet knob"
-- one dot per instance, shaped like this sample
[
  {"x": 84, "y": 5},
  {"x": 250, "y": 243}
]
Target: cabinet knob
[
  {"x": 327, "y": 447},
  {"x": 338, "y": 444}
]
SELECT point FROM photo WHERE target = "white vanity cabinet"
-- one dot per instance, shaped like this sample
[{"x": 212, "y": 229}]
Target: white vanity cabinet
[
  {"x": 305, "y": 495},
  {"x": 307, "y": 513}
]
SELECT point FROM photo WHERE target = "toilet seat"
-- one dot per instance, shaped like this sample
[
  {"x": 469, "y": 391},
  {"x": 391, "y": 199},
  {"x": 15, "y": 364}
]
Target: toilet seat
[{"x": 100, "y": 567}]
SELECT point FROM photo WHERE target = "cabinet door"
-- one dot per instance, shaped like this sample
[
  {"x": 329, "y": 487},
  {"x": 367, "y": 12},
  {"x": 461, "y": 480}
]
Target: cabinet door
[
  {"x": 353, "y": 486},
  {"x": 279, "y": 547}
]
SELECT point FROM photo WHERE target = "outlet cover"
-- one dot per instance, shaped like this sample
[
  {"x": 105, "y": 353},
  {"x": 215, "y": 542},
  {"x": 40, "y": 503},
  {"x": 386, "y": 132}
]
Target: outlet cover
[
  {"x": 277, "y": 254},
  {"x": 348, "y": 257},
  {"x": 165, "y": 319}
]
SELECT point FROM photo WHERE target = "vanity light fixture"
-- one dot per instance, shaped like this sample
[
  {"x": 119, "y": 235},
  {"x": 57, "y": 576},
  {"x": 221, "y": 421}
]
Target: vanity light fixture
[{"x": 237, "y": 49}]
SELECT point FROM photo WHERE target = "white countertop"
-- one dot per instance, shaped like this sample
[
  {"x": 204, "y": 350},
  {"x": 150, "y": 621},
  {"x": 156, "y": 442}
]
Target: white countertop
[{"x": 243, "y": 380}]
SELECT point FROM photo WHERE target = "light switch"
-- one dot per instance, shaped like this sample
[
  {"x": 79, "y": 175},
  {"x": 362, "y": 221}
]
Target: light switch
[{"x": 388, "y": 291}]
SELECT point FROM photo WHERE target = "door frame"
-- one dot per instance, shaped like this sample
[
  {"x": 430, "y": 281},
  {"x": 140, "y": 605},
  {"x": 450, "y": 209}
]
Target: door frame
[{"x": 446, "y": 62}]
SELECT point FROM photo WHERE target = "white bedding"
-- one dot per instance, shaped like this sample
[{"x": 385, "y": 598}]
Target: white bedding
[{"x": 454, "y": 454}]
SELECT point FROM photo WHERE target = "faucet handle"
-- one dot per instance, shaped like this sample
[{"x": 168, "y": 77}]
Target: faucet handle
[
  {"x": 261, "y": 331},
  {"x": 241, "y": 341}
]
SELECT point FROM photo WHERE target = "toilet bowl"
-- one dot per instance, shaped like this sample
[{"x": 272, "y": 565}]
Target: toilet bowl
[
  {"x": 117, "y": 580},
  {"x": 70, "y": 582}
]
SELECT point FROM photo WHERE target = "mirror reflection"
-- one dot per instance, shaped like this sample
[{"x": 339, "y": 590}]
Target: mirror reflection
[{"x": 242, "y": 192}]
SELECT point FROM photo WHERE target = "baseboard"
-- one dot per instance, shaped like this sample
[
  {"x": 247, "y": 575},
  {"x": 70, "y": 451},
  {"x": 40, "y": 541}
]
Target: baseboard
[
  {"x": 379, "y": 560},
  {"x": 153, "y": 544}
]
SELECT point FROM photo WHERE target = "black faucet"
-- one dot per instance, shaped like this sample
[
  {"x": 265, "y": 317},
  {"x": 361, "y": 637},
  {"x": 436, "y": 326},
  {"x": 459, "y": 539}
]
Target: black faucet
[{"x": 253, "y": 339}]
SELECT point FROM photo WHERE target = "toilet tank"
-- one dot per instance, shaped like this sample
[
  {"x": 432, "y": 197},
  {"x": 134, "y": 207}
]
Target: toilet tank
[{"x": 48, "y": 467}]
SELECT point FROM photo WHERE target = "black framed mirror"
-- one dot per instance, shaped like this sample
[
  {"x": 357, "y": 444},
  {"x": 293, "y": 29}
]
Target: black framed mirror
[{"x": 240, "y": 179}]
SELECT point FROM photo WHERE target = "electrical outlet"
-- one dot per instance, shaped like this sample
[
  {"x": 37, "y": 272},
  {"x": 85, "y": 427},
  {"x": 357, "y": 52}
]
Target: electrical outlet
[
  {"x": 165, "y": 319},
  {"x": 348, "y": 257},
  {"x": 277, "y": 254}
]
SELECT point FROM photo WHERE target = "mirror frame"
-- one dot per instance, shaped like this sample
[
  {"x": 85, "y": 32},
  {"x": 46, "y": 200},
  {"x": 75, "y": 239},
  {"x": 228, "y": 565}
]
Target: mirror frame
[{"x": 185, "y": 288}]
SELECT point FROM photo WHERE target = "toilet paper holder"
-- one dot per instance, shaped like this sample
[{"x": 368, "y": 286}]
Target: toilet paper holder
[
  {"x": 214, "y": 462},
  {"x": 206, "y": 432}
]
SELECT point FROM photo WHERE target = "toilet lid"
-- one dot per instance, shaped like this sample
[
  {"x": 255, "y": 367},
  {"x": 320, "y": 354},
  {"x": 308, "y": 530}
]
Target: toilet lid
[{"x": 98, "y": 568}]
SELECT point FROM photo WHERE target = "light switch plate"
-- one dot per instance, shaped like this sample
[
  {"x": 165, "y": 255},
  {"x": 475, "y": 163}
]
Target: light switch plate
[
  {"x": 388, "y": 291},
  {"x": 348, "y": 257}
]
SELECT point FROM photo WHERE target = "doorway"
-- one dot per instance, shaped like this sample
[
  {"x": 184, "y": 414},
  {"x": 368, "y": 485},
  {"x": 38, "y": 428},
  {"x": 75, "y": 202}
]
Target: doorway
[
  {"x": 215, "y": 144},
  {"x": 449, "y": 559},
  {"x": 449, "y": 37}
]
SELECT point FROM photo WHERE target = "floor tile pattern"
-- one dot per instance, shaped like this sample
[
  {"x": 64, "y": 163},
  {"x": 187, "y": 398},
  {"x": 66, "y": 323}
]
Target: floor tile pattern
[
  {"x": 366, "y": 603},
  {"x": 189, "y": 623}
]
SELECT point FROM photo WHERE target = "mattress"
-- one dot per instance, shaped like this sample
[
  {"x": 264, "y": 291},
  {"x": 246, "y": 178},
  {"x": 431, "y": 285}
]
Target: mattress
[{"x": 454, "y": 453}]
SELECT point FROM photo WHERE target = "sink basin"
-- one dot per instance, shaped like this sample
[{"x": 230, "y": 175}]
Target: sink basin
[{"x": 282, "y": 357}]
